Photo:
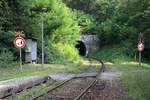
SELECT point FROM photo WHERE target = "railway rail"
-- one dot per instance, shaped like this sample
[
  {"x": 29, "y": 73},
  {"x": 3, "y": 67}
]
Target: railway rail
[{"x": 75, "y": 90}]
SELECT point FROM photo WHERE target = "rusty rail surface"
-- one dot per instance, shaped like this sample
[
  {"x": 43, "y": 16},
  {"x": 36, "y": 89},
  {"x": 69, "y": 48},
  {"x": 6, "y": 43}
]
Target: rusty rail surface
[
  {"x": 35, "y": 98},
  {"x": 102, "y": 69}
]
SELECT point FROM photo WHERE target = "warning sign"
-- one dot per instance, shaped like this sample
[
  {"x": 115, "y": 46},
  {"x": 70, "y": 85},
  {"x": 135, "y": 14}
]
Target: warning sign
[
  {"x": 140, "y": 47},
  {"x": 19, "y": 42}
]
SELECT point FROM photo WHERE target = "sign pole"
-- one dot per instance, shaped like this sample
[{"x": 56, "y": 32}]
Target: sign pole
[
  {"x": 20, "y": 59},
  {"x": 42, "y": 40},
  {"x": 140, "y": 53},
  {"x": 140, "y": 58},
  {"x": 19, "y": 43}
]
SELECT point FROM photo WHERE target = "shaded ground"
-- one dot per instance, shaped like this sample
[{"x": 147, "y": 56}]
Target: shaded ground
[
  {"x": 112, "y": 77},
  {"x": 70, "y": 90},
  {"x": 65, "y": 76},
  {"x": 112, "y": 90}
]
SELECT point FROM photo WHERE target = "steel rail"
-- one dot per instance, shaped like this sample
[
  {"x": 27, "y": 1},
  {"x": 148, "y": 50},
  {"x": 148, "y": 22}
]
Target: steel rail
[
  {"x": 102, "y": 69},
  {"x": 85, "y": 90},
  {"x": 35, "y": 98}
]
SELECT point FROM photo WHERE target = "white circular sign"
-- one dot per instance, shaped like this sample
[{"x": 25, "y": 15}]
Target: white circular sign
[
  {"x": 140, "y": 46},
  {"x": 19, "y": 42}
]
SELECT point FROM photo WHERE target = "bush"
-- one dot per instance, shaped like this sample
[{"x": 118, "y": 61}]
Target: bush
[
  {"x": 60, "y": 21},
  {"x": 6, "y": 43},
  {"x": 61, "y": 28},
  {"x": 114, "y": 54},
  {"x": 87, "y": 22},
  {"x": 6, "y": 58},
  {"x": 52, "y": 55},
  {"x": 68, "y": 51}
]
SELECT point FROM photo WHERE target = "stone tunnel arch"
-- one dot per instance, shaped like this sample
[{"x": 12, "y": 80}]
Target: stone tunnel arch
[{"x": 81, "y": 48}]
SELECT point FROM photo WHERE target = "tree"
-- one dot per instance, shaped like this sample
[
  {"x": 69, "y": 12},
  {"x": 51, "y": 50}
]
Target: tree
[{"x": 61, "y": 27}]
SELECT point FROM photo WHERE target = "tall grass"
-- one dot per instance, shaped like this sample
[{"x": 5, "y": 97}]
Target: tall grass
[
  {"x": 115, "y": 54},
  {"x": 136, "y": 82},
  {"x": 135, "y": 79}
]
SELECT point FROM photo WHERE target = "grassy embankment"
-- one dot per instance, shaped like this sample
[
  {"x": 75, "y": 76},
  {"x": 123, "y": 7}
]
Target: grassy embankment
[{"x": 135, "y": 79}]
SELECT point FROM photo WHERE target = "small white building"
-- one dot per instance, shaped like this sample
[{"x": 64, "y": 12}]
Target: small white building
[{"x": 31, "y": 51}]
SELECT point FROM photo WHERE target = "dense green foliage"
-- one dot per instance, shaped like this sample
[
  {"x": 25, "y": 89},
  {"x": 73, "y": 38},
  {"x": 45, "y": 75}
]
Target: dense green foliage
[
  {"x": 115, "y": 21},
  {"x": 86, "y": 22},
  {"x": 61, "y": 29},
  {"x": 8, "y": 53},
  {"x": 118, "y": 21},
  {"x": 114, "y": 54},
  {"x": 6, "y": 57},
  {"x": 14, "y": 16}
]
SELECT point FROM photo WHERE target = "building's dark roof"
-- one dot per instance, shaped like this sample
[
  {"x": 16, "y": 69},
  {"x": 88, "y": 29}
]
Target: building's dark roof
[{"x": 32, "y": 38}]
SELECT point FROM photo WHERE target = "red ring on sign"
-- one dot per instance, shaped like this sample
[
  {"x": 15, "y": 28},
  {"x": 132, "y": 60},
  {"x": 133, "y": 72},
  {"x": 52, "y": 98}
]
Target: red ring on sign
[
  {"x": 140, "y": 47},
  {"x": 22, "y": 41}
]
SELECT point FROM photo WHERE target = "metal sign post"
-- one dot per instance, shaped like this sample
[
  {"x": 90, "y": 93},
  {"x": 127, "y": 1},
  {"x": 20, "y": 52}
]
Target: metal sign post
[
  {"x": 42, "y": 30},
  {"x": 19, "y": 43},
  {"x": 42, "y": 40},
  {"x": 20, "y": 59},
  {"x": 140, "y": 58}
]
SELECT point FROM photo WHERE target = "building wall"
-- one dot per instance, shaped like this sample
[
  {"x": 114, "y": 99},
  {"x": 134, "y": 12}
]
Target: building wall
[{"x": 31, "y": 50}]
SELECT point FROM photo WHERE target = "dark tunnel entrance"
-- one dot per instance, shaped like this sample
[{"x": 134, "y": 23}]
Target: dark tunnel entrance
[{"x": 81, "y": 47}]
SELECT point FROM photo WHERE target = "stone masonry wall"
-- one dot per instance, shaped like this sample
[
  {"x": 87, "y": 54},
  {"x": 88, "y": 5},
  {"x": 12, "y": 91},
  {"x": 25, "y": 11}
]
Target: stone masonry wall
[{"x": 91, "y": 42}]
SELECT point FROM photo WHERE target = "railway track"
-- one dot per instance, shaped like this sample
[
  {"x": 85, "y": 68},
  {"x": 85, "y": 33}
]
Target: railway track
[{"x": 75, "y": 88}]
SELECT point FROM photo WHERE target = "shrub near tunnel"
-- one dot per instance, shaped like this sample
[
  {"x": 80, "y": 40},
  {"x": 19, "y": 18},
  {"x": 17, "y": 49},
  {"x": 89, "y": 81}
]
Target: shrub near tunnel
[
  {"x": 61, "y": 27},
  {"x": 68, "y": 51}
]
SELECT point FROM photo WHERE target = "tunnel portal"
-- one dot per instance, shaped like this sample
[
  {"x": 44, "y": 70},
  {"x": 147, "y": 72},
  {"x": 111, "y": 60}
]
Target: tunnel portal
[{"x": 81, "y": 48}]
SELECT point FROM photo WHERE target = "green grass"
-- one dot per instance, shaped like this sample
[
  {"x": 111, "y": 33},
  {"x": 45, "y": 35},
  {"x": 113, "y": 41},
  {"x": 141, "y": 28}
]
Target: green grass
[
  {"x": 32, "y": 70},
  {"x": 115, "y": 54},
  {"x": 135, "y": 80},
  {"x": 34, "y": 92}
]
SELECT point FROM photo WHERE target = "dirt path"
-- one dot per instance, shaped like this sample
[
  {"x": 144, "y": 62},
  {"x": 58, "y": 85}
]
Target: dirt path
[{"x": 112, "y": 90}]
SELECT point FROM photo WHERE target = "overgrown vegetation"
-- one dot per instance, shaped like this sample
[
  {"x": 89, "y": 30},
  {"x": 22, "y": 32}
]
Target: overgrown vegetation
[
  {"x": 115, "y": 21},
  {"x": 114, "y": 54},
  {"x": 61, "y": 28},
  {"x": 33, "y": 92},
  {"x": 135, "y": 80},
  {"x": 7, "y": 57},
  {"x": 118, "y": 21}
]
